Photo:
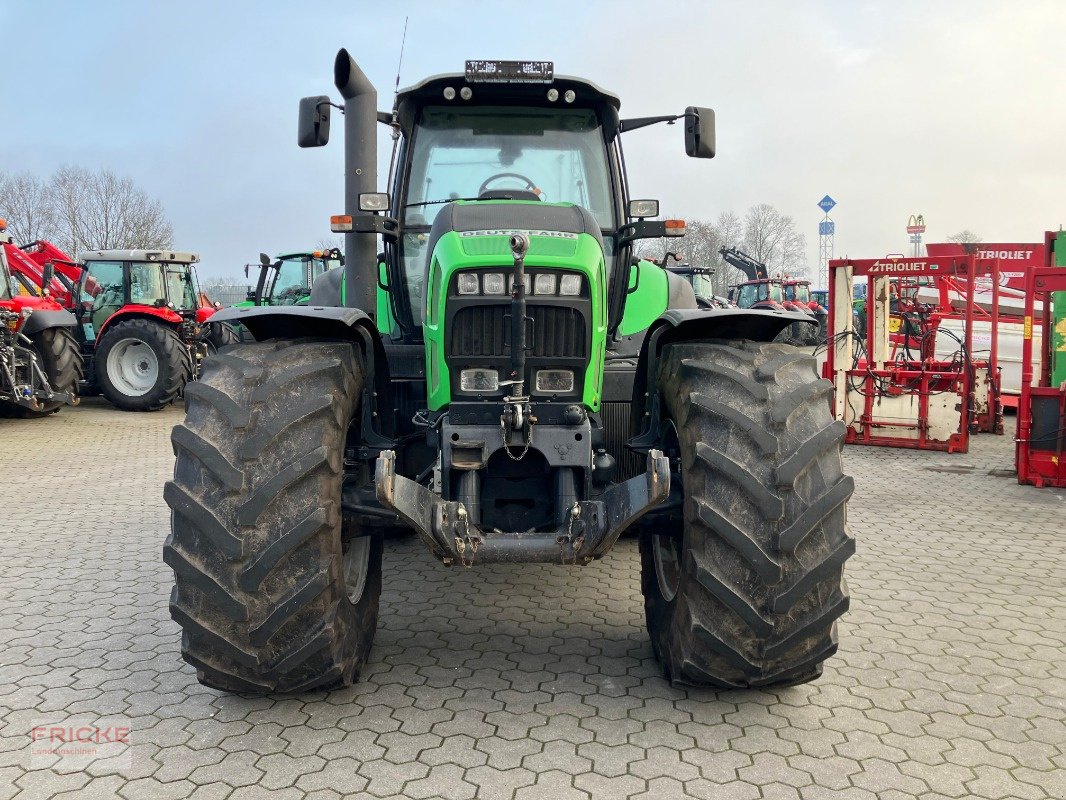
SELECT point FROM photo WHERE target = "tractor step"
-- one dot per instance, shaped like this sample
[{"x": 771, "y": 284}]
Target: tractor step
[{"x": 590, "y": 530}]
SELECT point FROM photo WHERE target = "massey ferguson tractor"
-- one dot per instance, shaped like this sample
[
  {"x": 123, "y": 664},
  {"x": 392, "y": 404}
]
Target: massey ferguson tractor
[
  {"x": 142, "y": 326},
  {"x": 510, "y": 383},
  {"x": 40, "y": 363}
]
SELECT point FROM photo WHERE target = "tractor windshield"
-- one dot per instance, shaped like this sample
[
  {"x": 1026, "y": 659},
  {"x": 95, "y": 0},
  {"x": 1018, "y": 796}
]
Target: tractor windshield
[
  {"x": 181, "y": 288},
  {"x": 295, "y": 275},
  {"x": 798, "y": 292},
  {"x": 291, "y": 283},
  {"x": 556, "y": 155}
]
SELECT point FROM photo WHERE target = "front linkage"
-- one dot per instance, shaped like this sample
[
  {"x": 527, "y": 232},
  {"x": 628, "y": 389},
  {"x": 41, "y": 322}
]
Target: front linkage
[
  {"x": 589, "y": 528},
  {"x": 23, "y": 382}
]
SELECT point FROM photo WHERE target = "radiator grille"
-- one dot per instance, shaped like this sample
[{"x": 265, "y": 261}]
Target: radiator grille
[
  {"x": 479, "y": 331},
  {"x": 618, "y": 427},
  {"x": 484, "y": 331},
  {"x": 557, "y": 331}
]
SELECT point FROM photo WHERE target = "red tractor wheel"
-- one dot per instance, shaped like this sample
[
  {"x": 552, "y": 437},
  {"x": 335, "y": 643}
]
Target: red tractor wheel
[{"x": 142, "y": 365}]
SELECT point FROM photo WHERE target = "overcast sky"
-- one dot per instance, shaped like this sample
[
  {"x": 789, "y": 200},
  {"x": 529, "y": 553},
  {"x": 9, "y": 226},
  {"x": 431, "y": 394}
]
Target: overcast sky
[{"x": 954, "y": 110}]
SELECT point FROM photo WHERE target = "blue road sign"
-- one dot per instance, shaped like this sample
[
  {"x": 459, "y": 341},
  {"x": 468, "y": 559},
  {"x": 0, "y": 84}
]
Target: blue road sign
[
  {"x": 916, "y": 238},
  {"x": 826, "y": 204},
  {"x": 827, "y": 228}
]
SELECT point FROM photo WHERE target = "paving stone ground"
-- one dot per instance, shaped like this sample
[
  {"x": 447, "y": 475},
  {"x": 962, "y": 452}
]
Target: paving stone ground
[{"x": 538, "y": 682}]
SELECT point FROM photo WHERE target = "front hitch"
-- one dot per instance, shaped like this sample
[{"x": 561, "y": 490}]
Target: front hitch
[{"x": 590, "y": 527}]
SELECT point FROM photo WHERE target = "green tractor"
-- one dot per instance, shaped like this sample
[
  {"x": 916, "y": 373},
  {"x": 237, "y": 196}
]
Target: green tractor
[
  {"x": 287, "y": 280},
  {"x": 504, "y": 378}
]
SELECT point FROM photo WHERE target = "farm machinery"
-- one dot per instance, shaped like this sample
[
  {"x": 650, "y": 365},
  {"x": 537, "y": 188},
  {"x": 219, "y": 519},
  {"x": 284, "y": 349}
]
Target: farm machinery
[
  {"x": 1040, "y": 455},
  {"x": 40, "y": 365},
  {"x": 891, "y": 386},
  {"x": 510, "y": 383},
  {"x": 142, "y": 324},
  {"x": 763, "y": 291},
  {"x": 287, "y": 280}
]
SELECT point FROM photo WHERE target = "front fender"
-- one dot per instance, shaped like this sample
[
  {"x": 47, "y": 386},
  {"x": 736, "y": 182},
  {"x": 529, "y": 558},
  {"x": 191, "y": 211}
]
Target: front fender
[
  {"x": 41, "y": 319},
  {"x": 293, "y": 322},
  {"x": 680, "y": 325},
  {"x": 141, "y": 311}
]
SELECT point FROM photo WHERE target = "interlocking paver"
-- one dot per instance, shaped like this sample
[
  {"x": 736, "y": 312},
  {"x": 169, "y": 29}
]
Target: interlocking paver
[{"x": 520, "y": 683}]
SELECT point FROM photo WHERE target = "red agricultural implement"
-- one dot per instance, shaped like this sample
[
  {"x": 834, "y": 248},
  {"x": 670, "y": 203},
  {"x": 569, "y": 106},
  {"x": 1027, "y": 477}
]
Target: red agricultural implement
[
  {"x": 142, "y": 323},
  {"x": 1016, "y": 260},
  {"x": 40, "y": 366},
  {"x": 1040, "y": 455},
  {"x": 890, "y": 387}
]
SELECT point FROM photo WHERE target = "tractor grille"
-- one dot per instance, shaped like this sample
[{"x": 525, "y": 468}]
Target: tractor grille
[
  {"x": 479, "y": 331},
  {"x": 557, "y": 331},
  {"x": 617, "y": 428},
  {"x": 484, "y": 331}
]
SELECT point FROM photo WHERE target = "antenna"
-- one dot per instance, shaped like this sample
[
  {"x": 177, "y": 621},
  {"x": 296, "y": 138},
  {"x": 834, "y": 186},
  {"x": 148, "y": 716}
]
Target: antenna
[
  {"x": 395, "y": 111},
  {"x": 400, "y": 64}
]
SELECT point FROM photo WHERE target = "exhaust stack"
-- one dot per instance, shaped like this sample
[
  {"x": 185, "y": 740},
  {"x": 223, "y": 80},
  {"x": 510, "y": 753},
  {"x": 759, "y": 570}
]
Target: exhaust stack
[{"x": 360, "y": 175}]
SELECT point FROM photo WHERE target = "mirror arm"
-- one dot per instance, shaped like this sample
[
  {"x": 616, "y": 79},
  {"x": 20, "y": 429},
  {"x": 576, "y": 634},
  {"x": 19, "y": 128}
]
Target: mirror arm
[{"x": 643, "y": 122}]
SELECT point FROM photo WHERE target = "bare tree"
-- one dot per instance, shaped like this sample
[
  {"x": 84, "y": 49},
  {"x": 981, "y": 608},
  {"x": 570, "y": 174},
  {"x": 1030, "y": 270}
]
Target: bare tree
[
  {"x": 965, "y": 237},
  {"x": 329, "y": 242},
  {"x": 100, "y": 210},
  {"x": 25, "y": 204},
  {"x": 771, "y": 237}
]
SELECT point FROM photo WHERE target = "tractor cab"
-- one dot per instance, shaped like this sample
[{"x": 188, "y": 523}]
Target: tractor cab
[
  {"x": 797, "y": 291},
  {"x": 764, "y": 293},
  {"x": 158, "y": 283},
  {"x": 287, "y": 280}
]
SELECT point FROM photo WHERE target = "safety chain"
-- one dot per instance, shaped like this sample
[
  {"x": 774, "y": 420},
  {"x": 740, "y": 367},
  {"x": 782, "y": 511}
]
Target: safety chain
[{"x": 464, "y": 540}]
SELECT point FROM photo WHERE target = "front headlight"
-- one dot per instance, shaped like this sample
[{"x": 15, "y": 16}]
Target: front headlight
[
  {"x": 493, "y": 282},
  {"x": 544, "y": 283},
  {"x": 570, "y": 285},
  {"x": 555, "y": 380},
  {"x": 468, "y": 283},
  {"x": 479, "y": 380}
]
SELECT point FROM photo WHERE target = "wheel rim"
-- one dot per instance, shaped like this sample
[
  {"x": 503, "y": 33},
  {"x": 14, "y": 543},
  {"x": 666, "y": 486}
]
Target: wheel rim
[
  {"x": 667, "y": 547},
  {"x": 132, "y": 367},
  {"x": 356, "y": 566}
]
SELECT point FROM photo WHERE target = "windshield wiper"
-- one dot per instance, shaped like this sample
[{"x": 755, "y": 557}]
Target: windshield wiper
[{"x": 439, "y": 202}]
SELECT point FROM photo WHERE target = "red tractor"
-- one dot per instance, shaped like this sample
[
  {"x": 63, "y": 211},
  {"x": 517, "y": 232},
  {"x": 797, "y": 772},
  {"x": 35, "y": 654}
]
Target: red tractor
[
  {"x": 142, "y": 321},
  {"x": 777, "y": 294},
  {"x": 797, "y": 291},
  {"x": 40, "y": 362}
]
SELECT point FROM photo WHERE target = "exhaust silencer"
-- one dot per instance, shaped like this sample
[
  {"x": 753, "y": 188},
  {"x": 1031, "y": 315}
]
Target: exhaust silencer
[{"x": 360, "y": 176}]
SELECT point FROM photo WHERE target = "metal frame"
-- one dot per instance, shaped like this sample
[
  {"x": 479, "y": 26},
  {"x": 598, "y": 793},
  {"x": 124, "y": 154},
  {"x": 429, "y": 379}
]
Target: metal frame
[
  {"x": 898, "y": 407},
  {"x": 1040, "y": 466}
]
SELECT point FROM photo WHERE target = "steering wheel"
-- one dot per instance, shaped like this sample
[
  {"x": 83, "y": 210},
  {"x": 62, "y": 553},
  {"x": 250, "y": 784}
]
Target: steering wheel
[{"x": 530, "y": 186}]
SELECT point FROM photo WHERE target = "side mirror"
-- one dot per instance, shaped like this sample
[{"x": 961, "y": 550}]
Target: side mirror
[
  {"x": 246, "y": 270},
  {"x": 48, "y": 274},
  {"x": 699, "y": 132},
  {"x": 313, "y": 128}
]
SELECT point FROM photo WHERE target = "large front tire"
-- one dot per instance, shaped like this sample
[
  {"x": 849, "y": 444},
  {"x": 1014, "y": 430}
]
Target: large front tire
[
  {"x": 273, "y": 590},
  {"x": 142, "y": 365},
  {"x": 745, "y": 588}
]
